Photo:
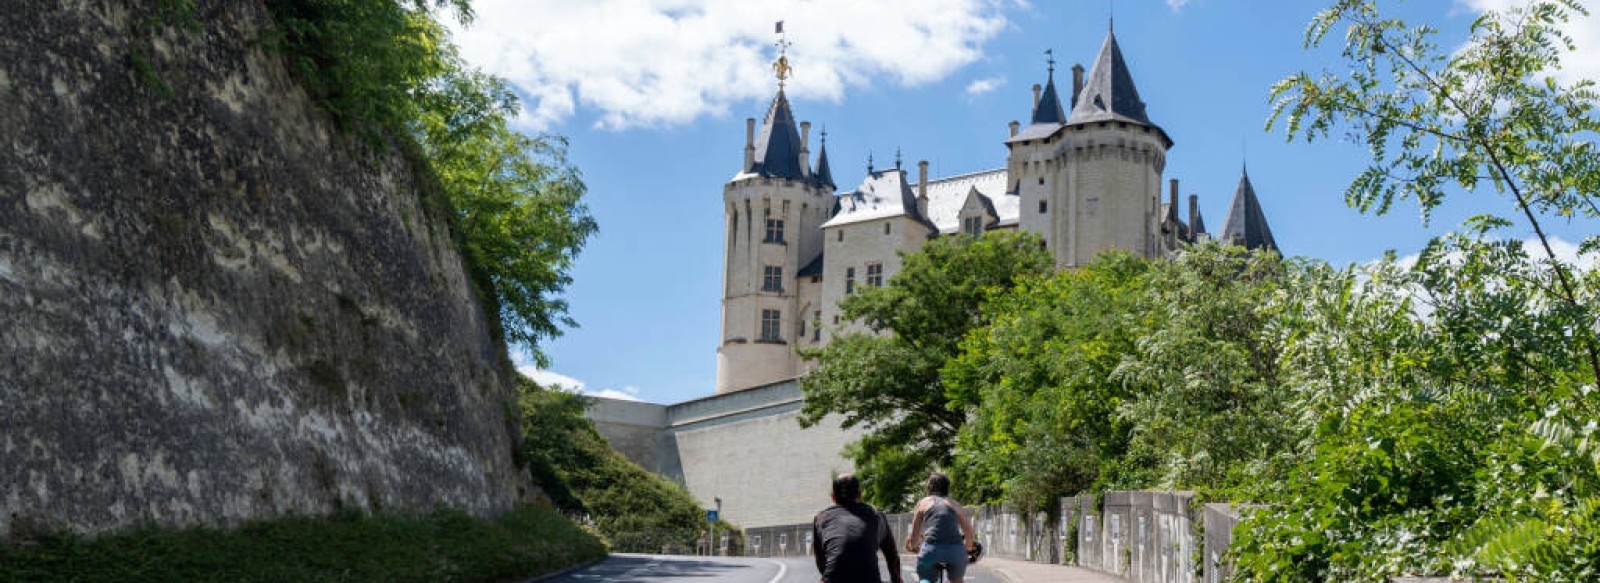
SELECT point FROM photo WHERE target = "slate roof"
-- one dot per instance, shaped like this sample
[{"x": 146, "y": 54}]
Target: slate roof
[
  {"x": 824, "y": 174},
  {"x": 946, "y": 196},
  {"x": 778, "y": 143},
  {"x": 1048, "y": 110},
  {"x": 1108, "y": 92},
  {"x": 883, "y": 194},
  {"x": 1199, "y": 226},
  {"x": 812, "y": 268},
  {"x": 1247, "y": 224}
]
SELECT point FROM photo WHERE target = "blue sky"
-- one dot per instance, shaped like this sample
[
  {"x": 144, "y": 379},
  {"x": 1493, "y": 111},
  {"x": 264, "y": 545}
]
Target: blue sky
[{"x": 653, "y": 95}]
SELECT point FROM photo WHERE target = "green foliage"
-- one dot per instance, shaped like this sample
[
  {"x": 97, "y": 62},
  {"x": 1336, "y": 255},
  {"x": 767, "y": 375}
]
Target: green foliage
[
  {"x": 385, "y": 70},
  {"x": 1127, "y": 373},
  {"x": 446, "y": 545},
  {"x": 1449, "y": 431},
  {"x": 889, "y": 381},
  {"x": 583, "y": 475},
  {"x": 1210, "y": 409},
  {"x": 1044, "y": 421},
  {"x": 1435, "y": 120}
]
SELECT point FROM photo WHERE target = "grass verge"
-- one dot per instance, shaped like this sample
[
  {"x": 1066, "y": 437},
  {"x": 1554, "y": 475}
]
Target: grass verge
[{"x": 446, "y": 545}]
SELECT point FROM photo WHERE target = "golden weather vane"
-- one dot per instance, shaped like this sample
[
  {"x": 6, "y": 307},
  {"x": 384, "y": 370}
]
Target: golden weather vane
[{"x": 781, "y": 66}]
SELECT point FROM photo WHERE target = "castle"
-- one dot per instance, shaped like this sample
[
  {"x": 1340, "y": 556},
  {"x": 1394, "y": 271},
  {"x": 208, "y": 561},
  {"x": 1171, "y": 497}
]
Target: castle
[{"x": 1086, "y": 178}]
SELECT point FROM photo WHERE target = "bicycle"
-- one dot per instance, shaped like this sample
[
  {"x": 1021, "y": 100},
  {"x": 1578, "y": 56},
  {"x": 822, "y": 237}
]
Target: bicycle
[{"x": 942, "y": 567}]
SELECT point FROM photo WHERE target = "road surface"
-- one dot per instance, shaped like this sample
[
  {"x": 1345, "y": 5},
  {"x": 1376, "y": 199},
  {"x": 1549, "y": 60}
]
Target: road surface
[{"x": 626, "y": 568}]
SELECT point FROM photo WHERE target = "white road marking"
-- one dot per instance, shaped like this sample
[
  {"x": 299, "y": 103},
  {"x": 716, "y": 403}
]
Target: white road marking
[{"x": 782, "y": 569}]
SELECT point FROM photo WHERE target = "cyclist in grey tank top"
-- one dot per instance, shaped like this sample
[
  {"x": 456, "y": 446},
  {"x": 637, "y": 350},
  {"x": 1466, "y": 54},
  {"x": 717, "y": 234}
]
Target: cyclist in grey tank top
[{"x": 941, "y": 532}]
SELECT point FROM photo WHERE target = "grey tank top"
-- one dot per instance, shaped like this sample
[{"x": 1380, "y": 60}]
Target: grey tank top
[{"x": 940, "y": 525}]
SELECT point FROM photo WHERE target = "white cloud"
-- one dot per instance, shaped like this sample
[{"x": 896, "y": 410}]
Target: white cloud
[
  {"x": 663, "y": 62},
  {"x": 1177, "y": 5},
  {"x": 983, "y": 86},
  {"x": 551, "y": 379},
  {"x": 1584, "y": 61}
]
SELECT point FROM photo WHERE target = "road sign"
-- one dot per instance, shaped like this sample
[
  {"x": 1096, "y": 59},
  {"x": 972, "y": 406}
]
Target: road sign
[{"x": 711, "y": 516}]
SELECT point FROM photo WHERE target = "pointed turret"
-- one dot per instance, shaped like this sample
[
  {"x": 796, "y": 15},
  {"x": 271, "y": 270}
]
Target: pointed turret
[
  {"x": 777, "y": 146},
  {"x": 824, "y": 174},
  {"x": 1108, "y": 93},
  {"x": 1247, "y": 224},
  {"x": 1048, "y": 110}
]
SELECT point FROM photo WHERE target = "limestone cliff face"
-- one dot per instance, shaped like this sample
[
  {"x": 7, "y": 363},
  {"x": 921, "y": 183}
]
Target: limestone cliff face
[{"x": 213, "y": 306}]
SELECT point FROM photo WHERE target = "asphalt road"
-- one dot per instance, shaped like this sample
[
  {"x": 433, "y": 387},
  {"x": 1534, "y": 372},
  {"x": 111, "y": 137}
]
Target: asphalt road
[{"x": 680, "y": 569}]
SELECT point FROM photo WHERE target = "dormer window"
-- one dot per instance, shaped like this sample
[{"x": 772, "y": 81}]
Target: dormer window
[
  {"x": 972, "y": 225},
  {"x": 774, "y": 231}
]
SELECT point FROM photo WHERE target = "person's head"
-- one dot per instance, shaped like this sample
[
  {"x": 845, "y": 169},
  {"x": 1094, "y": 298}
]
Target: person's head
[
  {"x": 938, "y": 484},
  {"x": 846, "y": 489}
]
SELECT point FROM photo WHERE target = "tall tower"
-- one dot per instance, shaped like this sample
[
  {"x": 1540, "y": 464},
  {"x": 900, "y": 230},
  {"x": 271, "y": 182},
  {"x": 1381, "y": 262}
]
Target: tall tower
[
  {"x": 774, "y": 209},
  {"x": 1092, "y": 181}
]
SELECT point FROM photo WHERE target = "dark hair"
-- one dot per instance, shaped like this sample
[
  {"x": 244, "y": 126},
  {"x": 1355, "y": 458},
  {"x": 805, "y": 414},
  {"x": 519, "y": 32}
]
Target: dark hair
[
  {"x": 846, "y": 489},
  {"x": 938, "y": 484}
]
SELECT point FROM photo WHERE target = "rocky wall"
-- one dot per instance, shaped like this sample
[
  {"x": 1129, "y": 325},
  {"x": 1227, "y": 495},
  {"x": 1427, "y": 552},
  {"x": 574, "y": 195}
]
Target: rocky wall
[{"x": 214, "y": 306}]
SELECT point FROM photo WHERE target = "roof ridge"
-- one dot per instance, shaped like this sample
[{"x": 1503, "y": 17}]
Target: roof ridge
[{"x": 967, "y": 175}]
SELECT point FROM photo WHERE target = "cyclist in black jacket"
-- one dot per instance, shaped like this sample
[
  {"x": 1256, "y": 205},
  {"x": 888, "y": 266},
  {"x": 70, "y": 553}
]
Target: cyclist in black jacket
[{"x": 847, "y": 536}]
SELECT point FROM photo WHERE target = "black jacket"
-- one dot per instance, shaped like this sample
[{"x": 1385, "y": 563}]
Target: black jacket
[{"x": 845, "y": 540}]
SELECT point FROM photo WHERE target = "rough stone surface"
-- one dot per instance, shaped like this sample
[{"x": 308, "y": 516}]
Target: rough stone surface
[{"x": 213, "y": 305}]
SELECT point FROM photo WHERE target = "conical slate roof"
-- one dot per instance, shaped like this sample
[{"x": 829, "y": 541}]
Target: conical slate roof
[
  {"x": 1199, "y": 226},
  {"x": 1247, "y": 224},
  {"x": 1049, "y": 109},
  {"x": 778, "y": 143},
  {"x": 1108, "y": 92},
  {"x": 824, "y": 175}
]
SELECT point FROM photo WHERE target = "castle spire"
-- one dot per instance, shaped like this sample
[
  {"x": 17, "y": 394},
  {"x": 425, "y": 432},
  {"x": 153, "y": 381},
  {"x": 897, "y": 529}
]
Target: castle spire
[
  {"x": 778, "y": 145},
  {"x": 1048, "y": 110},
  {"x": 824, "y": 175},
  {"x": 1247, "y": 223},
  {"x": 1109, "y": 93}
]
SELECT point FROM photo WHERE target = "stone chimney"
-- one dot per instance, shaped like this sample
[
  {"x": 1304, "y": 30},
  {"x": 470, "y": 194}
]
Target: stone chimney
[
  {"x": 1077, "y": 82},
  {"x": 749, "y": 143},
  {"x": 1036, "y": 89},
  {"x": 1172, "y": 199},
  {"x": 1014, "y": 125},
  {"x": 805, "y": 147},
  {"x": 1194, "y": 217},
  {"x": 922, "y": 188}
]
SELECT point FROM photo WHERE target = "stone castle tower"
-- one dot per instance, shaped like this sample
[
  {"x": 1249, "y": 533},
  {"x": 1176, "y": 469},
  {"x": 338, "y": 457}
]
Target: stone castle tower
[
  {"x": 1090, "y": 180},
  {"x": 1086, "y": 178},
  {"x": 774, "y": 210}
]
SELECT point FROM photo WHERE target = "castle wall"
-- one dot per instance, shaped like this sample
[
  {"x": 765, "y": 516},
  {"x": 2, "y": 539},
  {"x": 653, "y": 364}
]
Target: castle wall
[
  {"x": 745, "y": 447},
  {"x": 751, "y": 452}
]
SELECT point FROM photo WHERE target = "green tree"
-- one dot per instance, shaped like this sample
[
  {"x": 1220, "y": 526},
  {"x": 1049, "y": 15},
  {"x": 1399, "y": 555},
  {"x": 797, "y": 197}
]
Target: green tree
[
  {"x": 1037, "y": 378},
  {"x": 1449, "y": 432},
  {"x": 582, "y": 474},
  {"x": 386, "y": 71},
  {"x": 1485, "y": 114},
  {"x": 1209, "y": 406},
  {"x": 888, "y": 378}
]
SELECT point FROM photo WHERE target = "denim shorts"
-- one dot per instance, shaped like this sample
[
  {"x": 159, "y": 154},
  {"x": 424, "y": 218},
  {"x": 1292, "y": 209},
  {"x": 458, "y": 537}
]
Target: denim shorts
[{"x": 955, "y": 554}]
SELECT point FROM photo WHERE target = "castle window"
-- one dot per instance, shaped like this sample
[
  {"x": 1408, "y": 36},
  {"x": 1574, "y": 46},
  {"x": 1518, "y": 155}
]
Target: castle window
[
  {"x": 772, "y": 278},
  {"x": 1041, "y": 180},
  {"x": 816, "y": 326},
  {"x": 774, "y": 231},
  {"x": 841, "y": 235},
  {"x": 875, "y": 274},
  {"x": 1041, "y": 207},
  {"x": 849, "y": 280},
  {"x": 802, "y": 328},
  {"x": 972, "y": 225},
  {"x": 770, "y": 322},
  {"x": 886, "y": 228}
]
